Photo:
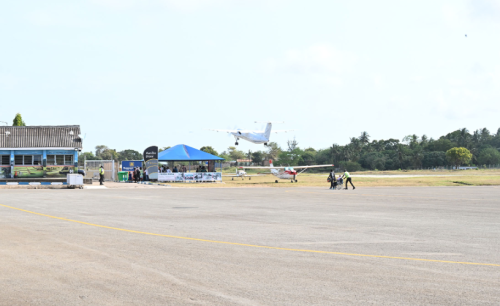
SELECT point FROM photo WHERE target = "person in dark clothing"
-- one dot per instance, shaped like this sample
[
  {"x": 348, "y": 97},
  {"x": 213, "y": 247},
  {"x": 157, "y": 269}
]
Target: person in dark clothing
[
  {"x": 137, "y": 174},
  {"x": 333, "y": 181}
]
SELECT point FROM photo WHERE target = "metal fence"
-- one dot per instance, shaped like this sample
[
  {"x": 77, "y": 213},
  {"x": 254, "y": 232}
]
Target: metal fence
[{"x": 92, "y": 169}]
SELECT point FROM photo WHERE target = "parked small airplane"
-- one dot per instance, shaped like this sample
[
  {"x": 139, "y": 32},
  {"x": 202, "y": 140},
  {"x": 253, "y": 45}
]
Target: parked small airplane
[
  {"x": 257, "y": 137},
  {"x": 242, "y": 174},
  {"x": 286, "y": 173}
]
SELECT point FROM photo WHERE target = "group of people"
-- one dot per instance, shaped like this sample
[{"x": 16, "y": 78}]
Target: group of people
[
  {"x": 138, "y": 175},
  {"x": 165, "y": 169},
  {"x": 201, "y": 169},
  {"x": 339, "y": 180}
]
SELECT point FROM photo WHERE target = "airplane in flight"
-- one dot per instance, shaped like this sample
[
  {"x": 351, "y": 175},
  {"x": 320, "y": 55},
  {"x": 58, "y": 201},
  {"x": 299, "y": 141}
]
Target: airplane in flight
[
  {"x": 257, "y": 137},
  {"x": 286, "y": 173}
]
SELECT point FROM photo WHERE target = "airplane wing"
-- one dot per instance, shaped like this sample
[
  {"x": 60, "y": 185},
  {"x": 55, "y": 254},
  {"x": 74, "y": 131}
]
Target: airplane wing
[
  {"x": 294, "y": 167},
  {"x": 245, "y": 167},
  {"x": 241, "y": 175},
  {"x": 315, "y": 166},
  {"x": 225, "y": 131},
  {"x": 281, "y": 131}
]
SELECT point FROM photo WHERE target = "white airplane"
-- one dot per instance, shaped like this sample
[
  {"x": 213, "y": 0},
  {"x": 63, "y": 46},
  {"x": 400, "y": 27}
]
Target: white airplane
[
  {"x": 242, "y": 174},
  {"x": 286, "y": 173},
  {"x": 257, "y": 137}
]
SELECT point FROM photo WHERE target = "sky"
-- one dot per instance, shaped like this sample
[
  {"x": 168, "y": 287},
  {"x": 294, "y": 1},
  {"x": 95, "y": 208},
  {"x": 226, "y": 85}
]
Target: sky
[{"x": 161, "y": 72}]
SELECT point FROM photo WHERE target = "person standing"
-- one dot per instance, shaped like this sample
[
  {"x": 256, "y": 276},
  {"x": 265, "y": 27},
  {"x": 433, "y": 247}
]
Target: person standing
[
  {"x": 348, "y": 179},
  {"x": 333, "y": 181},
  {"x": 101, "y": 175}
]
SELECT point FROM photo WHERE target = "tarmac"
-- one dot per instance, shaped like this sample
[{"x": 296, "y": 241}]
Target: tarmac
[{"x": 250, "y": 246}]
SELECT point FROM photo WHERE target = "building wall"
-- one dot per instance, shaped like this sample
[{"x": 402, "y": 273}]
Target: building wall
[{"x": 55, "y": 167}]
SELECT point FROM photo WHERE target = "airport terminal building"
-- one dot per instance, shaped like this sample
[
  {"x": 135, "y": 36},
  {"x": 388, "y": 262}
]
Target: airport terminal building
[{"x": 39, "y": 151}]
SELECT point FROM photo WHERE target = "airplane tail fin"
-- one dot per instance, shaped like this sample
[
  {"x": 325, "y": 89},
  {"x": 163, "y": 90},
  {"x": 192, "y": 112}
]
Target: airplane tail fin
[
  {"x": 271, "y": 163},
  {"x": 267, "y": 132}
]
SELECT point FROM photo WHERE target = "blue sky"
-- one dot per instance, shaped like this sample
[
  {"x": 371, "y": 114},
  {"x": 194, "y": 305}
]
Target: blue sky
[{"x": 159, "y": 72}]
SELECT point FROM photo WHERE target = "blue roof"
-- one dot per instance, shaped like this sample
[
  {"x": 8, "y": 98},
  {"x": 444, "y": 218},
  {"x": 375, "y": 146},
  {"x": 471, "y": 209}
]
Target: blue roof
[{"x": 186, "y": 153}]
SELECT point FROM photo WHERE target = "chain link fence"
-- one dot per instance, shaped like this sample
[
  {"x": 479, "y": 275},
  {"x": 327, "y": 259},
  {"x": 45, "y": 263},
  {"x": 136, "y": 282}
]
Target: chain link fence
[{"x": 91, "y": 168}]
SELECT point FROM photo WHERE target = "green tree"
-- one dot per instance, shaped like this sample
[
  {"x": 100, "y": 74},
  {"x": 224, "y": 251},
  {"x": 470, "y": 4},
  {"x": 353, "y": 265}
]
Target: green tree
[
  {"x": 364, "y": 138},
  {"x": 273, "y": 150},
  {"x": 99, "y": 149},
  {"x": 489, "y": 156},
  {"x": 458, "y": 156},
  {"x": 235, "y": 154},
  {"x": 292, "y": 145},
  {"x": 258, "y": 157},
  {"x": 442, "y": 144},
  {"x": 209, "y": 150},
  {"x": 163, "y": 149},
  {"x": 129, "y": 155},
  {"x": 18, "y": 120},
  {"x": 83, "y": 156},
  {"x": 108, "y": 154}
]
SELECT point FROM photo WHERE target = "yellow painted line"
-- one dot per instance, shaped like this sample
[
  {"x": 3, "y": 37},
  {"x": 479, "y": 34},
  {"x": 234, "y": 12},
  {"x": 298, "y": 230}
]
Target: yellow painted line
[{"x": 254, "y": 245}]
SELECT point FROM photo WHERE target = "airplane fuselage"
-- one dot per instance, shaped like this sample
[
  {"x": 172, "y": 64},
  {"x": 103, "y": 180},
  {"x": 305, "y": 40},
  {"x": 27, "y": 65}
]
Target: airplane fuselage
[
  {"x": 284, "y": 175},
  {"x": 254, "y": 137}
]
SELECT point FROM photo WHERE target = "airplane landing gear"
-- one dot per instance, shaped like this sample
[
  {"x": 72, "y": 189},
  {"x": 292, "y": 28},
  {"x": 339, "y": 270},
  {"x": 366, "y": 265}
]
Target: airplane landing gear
[
  {"x": 249, "y": 178},
  {"x": 232, "y": 179},
  {"x": 276, "y": 181},
  {"x": 296, "y": 181},
  {"x": 291, "y": 181},
  {"x": 236, "y": 143}
]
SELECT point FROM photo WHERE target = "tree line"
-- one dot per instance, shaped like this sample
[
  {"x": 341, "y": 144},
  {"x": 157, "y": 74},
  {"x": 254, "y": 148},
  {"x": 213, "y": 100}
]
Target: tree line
[{"x": 460, "y": 147}]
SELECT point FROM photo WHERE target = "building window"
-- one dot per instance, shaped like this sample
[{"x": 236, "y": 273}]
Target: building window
[
  {"x": 18, "y": 160},
  {"x": 27, "y": 160},
  {"x": 5, "y": 160},
  {"x": 59, "y": 160},
  {"x": 51, "y": 160},
  {"x": 68, "y": 159}
]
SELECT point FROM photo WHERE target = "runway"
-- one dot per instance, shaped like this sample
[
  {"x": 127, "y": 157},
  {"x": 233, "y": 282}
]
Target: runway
[{"x": 255, "y": 246}]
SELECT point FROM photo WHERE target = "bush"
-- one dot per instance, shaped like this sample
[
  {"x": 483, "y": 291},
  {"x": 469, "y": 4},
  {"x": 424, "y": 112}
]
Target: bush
[
  {"x": 350, "y": 166},
  {"x": 489, "y": 156}
]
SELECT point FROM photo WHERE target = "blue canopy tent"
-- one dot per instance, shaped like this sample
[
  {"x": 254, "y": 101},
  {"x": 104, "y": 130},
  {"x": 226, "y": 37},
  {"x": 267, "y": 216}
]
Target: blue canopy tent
[{"x": 186, "y": 153}]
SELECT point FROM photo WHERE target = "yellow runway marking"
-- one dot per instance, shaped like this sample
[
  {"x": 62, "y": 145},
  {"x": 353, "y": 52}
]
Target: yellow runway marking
[{"x": 253, "y": 245}]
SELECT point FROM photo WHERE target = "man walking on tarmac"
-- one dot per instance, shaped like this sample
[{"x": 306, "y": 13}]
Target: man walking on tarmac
[
  {"x": 333, "y": 181},
  {"x": 347, "y": 178},
  {"x": 101, "y": 175}
]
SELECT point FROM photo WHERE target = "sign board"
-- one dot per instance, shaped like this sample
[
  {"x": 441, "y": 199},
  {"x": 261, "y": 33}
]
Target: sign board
[
  {"x": 151, "y": 160},
  {"x": 130, "y": 165},
  {"x": 190, "y": 177}
]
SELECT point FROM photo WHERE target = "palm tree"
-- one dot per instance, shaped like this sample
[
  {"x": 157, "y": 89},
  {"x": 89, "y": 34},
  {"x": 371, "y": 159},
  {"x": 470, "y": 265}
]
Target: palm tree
[
  {"x": 364, "y": 138},
  {"x": 464, "y": 138}
]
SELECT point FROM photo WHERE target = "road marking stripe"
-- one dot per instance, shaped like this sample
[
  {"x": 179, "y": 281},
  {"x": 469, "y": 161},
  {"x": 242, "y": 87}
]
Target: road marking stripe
[{"x": 253, "y": 245}]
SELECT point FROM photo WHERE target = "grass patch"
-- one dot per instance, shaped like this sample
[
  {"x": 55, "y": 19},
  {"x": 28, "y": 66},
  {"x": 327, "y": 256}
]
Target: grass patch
[{"x": 318, "y": 180}]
